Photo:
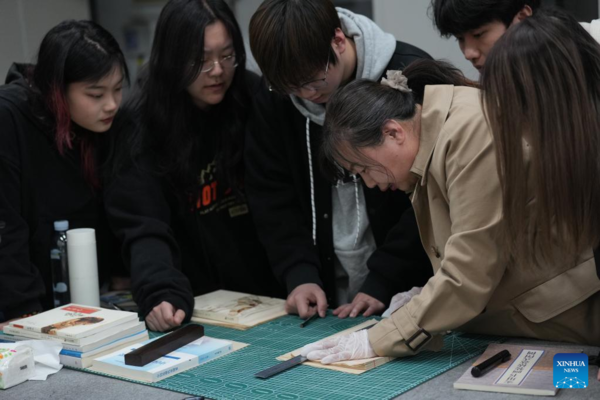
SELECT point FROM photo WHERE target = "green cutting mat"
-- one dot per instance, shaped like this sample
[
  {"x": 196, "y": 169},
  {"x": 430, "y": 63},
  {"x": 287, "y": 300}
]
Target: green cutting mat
[{"x": 232, "y": 376}]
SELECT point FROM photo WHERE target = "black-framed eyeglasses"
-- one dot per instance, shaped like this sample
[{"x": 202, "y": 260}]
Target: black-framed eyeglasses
[
  {"x": 311, "y": 86},
  {"x": 227, "y": 62}
]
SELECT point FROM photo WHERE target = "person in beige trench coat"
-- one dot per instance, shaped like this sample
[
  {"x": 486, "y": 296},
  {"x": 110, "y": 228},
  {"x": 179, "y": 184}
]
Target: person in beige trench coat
[{"x": 434, "y": 141}]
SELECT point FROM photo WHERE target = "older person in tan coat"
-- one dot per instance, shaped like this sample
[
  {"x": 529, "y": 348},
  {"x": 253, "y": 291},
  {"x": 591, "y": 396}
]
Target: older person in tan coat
[{"x": 433, "y": 141}]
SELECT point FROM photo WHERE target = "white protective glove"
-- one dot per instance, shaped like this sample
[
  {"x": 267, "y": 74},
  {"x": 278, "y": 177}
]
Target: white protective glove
[
  {"x": 401, "y": 299},
  {"x": 354, "y": 346}
]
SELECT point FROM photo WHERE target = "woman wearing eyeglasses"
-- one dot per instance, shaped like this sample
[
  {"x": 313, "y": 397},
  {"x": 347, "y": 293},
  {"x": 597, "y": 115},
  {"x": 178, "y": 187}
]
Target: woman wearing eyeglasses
[{"x": 176, "y": 199}]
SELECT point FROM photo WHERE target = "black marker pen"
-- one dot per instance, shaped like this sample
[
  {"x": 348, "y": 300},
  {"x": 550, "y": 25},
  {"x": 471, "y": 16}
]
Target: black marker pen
[
  {"x": 491, "y": 362},
  {"x": 309, "y": 319}
]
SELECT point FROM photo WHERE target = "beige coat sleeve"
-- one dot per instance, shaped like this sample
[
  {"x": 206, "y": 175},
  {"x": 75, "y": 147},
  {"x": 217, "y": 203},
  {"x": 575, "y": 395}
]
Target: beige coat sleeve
[{"x": 463, "y": 161}]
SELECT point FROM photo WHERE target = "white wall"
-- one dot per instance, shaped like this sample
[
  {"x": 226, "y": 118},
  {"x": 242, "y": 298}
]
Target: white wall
[
  {"x": 113, "y": 15},
  {"x": 243, "y": 11},
  {"x": 409, "y": 21},
  {"x": 23, "y": 24},
  {"x": 138, "y": 18}
]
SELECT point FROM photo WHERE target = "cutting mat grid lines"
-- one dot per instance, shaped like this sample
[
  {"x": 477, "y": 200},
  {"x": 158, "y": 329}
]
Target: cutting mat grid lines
[{"x": 232, "y": 377}]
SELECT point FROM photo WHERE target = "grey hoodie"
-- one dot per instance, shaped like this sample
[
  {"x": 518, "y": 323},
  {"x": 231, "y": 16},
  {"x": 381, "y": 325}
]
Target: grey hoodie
[
  {"x": 374, "y": 49},
  {"x": 352, "y": 236}
]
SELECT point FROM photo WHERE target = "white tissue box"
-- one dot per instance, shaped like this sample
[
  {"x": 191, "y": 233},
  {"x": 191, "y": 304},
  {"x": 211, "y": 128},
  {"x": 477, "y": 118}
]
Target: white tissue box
[{"x": 16, "y": 365}]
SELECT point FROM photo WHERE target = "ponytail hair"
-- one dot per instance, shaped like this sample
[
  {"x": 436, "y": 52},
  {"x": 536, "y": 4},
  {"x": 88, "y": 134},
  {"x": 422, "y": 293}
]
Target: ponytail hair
[{"x": 357, "y": 112}]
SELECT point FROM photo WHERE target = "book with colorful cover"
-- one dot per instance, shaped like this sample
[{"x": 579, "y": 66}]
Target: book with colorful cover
[
  {"x": 237, "y": 308},
  {"x": 529, "y": 371},
  {"x": 85, "y": 343},
  {"x": 188, "y": 356},
  {"x": 73, "y": 321}
]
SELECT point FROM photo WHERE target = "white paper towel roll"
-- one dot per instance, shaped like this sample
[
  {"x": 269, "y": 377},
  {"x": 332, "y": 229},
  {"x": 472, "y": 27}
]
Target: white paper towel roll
[{"x": 83, "y": 267}]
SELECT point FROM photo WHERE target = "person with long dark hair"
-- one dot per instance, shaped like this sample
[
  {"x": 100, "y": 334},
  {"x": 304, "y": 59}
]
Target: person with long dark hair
[
  {"x": 545, "y": 75},
  {"x": 424, "y": 134},
  {"x": 179, "y": 207},
  {"x": 54, "y": 116},
  {"x": 550, "y": 68}
]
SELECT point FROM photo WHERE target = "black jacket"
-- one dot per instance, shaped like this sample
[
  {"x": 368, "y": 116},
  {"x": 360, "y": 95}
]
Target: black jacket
[
  {"x": 37, "y": 187},
  {"x": 182, "y": 243},
  {"x": 278, "y": 187}
]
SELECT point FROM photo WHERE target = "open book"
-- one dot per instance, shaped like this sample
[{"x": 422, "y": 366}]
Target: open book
[
  {"x": 236, "y": 310},
  {"x": 529, "y": 371}
]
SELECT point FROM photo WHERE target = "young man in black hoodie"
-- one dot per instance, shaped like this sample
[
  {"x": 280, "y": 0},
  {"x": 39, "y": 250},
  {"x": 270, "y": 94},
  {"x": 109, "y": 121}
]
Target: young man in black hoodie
[{"x": 328, "y": 244}]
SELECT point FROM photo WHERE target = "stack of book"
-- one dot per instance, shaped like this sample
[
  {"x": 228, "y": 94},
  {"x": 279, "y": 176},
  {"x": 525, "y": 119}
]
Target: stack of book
[{"x": 86, "y": 333}]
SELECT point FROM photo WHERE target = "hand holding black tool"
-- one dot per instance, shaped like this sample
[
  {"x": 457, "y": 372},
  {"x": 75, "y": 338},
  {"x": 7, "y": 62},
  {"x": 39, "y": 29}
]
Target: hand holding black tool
[
  {"x": 484, "y": 367},
  {"x": 164, "y": 345},
  {"x": 307, "y": 320}
]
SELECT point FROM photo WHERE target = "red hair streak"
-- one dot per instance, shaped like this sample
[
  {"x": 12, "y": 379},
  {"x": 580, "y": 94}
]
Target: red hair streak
[
  {"x": 88, "y": 162},
  {"x": 64, "y": 137},
  {"x": 60, "y": 109}
]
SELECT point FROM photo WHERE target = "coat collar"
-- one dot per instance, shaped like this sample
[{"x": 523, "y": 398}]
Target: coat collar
[{"x": 436, "y": 105}]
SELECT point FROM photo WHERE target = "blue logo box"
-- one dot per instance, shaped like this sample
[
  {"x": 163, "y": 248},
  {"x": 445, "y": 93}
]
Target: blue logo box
[{"x": 570, "y": 370}]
